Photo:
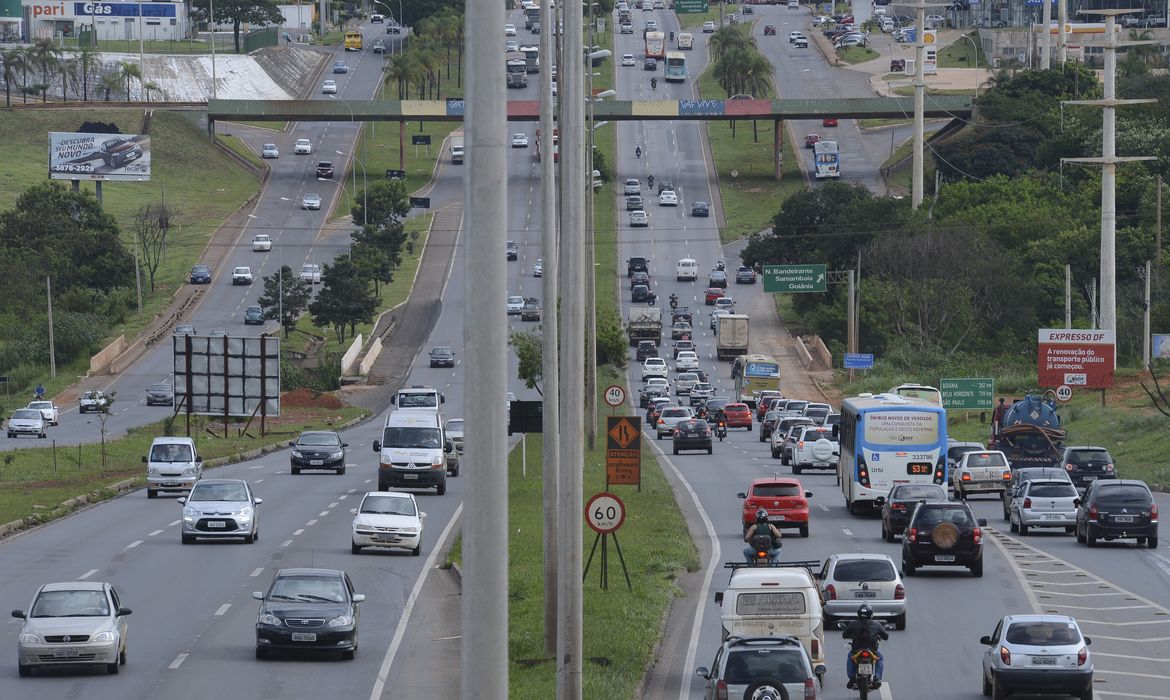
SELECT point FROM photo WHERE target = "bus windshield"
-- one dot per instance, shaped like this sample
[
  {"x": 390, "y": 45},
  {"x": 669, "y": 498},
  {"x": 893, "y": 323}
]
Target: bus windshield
[{"x": 676, "y": 66}]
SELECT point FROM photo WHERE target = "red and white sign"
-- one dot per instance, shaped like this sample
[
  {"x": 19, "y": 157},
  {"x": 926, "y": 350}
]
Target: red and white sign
[
  {"x": 605, "y": 512},
  {"x": 1076, "y": 358}
]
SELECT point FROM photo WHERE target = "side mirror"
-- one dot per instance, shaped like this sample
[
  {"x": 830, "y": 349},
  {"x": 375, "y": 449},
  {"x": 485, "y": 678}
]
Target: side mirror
[
  {"x": 345, "y": 444},
  {"x": 741, "y": 495},
  {"x": 144, "y": 460},
  {"x": 292, "y": 443},
  {"x": 422, "y": 515},
  {"x": 1088, "y": 641},
  {"x": 1076, "y": 503},
  {"x": 702, "y": 672},
  {"x": 182, "y": 500},
  {"x": 359, "y": 597},
  {"x": 836, "y": 430},
  {"x": 122, "y": 612},
  {"x": 819, "y": 671},
  {"x": 879, "y": 501},
  {"x": 258, "y": 595},
  {"x": 442, "y": 398},
  {"x": 982, "y": 522},
  {"x": 394, "y": 399},
  {"x": 985, "y": 640},
  {"x": 448, "y": 447},
  {"x": 19, "y": 614},
  {"x": 842, "y": 625},
  {"x": 808, "y": 494},
  {"x": 719, "y": 598},
  {"x": 377, "y": 446},
  {"x": 258, "y": 501}
]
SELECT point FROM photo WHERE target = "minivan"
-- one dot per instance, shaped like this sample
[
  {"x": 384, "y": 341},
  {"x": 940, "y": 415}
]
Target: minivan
[
  {"x": 687, "y": 270},
  {"x": 413, "y": 451},
  {"x": 172, "y": 465},
  {"x": 418, "y": 397},
  {"x": 773, "y": 601}
]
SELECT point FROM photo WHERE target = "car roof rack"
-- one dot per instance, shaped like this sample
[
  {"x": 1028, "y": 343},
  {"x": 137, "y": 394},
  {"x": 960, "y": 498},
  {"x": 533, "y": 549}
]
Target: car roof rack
[
  {"x": 808, "y": 565},
  {"x": 786, "y": 639}
]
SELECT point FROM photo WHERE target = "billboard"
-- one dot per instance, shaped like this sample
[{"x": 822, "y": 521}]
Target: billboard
[
  {"x": 74, "y": 156},
  {"x": 223, "y": 376},
  {"x": 1073, "y": 357},
  {"x": 1161, "y": 347}
]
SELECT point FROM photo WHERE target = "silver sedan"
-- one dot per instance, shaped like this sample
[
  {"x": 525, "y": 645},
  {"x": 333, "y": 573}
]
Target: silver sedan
[{"x": 78, "y": 622}]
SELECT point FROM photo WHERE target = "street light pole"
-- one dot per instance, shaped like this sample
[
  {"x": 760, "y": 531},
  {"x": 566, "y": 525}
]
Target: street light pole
[
  {"x": 211, "y": 27},
  {"x": 975, "y": 48},
  {"x": 365, "y": 187}
]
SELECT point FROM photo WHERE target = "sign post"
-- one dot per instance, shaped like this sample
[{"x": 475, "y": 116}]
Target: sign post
[
  {"x": 792, "y": 279},
  {"x": 605, "y": 513},
  {"x": 623, "y": 450},
  {"x": 967, "y": 394}
]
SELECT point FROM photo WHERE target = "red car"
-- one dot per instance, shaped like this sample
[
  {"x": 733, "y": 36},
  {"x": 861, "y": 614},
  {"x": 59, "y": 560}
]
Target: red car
[
  {"x": 784, "y": 499},
  {"x": 738, "y": 415},
  {"x": 829, "y": 121},
  {"x": 763, "y": 405},
  {"x": 713, "y": 293},
  {"x": 810, "y": 140},
  {"x": 769, "y": 30}
]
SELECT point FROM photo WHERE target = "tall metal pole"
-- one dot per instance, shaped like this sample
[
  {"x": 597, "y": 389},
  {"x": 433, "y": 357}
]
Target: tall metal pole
[
  {"x": 1068, "y": 296},
  {"x": 590, "y": 268},
  {"x": 1046, "y": 43},
  {"x": 572, "y": 99},
  {"x": 1061, "y": 37},
  {"x": 211, "y": 27},
  {"x": 52, "y": 345},
  {"x": 1146, "y": 320},
  {"x": 137, "y": 276},
  {"x": 1158, "y": 224},
  {"x": 141, "y": 42},
  {"x": 850, "y": 329},
  {"x": 550, "y": 368},
  {"x": 484, "y": 667},
  {"x": 919, "y": 109}
]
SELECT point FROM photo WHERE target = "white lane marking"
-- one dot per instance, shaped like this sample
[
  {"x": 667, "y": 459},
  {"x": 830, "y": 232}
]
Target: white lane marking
[
  {"x": 258, "y": 466},
  {"x": 156, "y": 532},
  {"x": 823, "y": 507},
  {"x": 400, "y": 629},
  {"x": 311, "y": 523},
  {"x": 133, "y": 544},
  {"x": 885, "y": 692},
  {"x": 342, "y": 497},
  {"x": 322, "y": 514},
  {"x": 1129, "y": 639},
  {"x": 847, "y": 531},
  {"x": 87, "y": 574},
  {"x": 222, "y": 609},
  {"x": 256, "y": 572},
  {"x": 178, "y": 661},
  {"x": 355, "y": 490},
  {"x": 297, "y": 533},
  {"x": 174, "y": 523},
  {"x": 286, "y": 543},
  {"x": 367, "y": 481},
  {"x": 1131, "y": 695},
  {"x": 256, "y": 481},
  {"x": 333, "y": 504}
]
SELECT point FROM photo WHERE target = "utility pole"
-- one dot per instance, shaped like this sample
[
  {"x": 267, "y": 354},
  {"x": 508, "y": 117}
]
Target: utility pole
[
  {"x": 1158, "y": 225},
  {"x": 550, "y": 362},
  {"x": 484, "y": 613},
  {"x": 1093, "y": 304},
  {"x": 919, "y": 100},
  {"x": 137, "y": 273},
  {"x": 851, "y": 326},
  {"x": 52, "y": 346},
  {"x": 590, "y": 268},
  {"x": 1046, "y": 42},
  {"x": 1068, "y": 296},
  {"x": 211, "y": 26},
  {"x": 1146, "y": 319},
  {"x": 572, "y": 101},
  {"x": 1108, "y": 162},
  {"x": 1061, "y": 37}
]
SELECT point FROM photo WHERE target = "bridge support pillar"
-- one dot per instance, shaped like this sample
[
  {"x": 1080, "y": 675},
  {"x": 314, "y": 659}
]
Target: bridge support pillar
[
  {"x": 402, "y": 145},
  {"x": 778, "y": 146}
]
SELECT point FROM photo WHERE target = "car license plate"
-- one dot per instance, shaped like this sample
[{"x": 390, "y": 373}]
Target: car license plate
[
  {"x": 65, "y": 653},
  {"x": 865, "y": 594},
  {"x": 170, "y": 483},
  {"x": 1123, "y": 518},
  {"x": 410, "y": 476},
  {"x": 1043, "y": 660},
  {"x": 1052, "y": 516},
  {"x": 944, "y": 557},
  {"x": 388, "y": 538},
  {"x": 779, "y": 517},
  {"x": 216, "y": 524},
  {"x": 316, "y": 462},
  {"x": 304, "y": 636},
  {"x": 865, "y": 669},
  {"x": 1090, "y": 478}
]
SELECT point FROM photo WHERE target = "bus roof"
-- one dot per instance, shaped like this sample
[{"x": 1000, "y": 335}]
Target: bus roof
[
  {"x": 823, "y": 146},
  {"x": 755, "y": 357},
  {"x": 865, "y": 402}
]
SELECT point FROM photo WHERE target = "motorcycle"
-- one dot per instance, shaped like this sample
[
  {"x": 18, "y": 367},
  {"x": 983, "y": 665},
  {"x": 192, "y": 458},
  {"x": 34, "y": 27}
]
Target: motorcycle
[
  {"x": 654, "y": 83},
  {"x": 762, "y": 548},
  {"x": 865, "y": 661},
  {"x": 720, "y": 266},
  {"x": 673, "y": 302},
  {"x": 650, "y": 181},
  {"x": 652, "y": 300},
  {"x": 638, "y": 152},
  {"x": 721, "y": 430}
]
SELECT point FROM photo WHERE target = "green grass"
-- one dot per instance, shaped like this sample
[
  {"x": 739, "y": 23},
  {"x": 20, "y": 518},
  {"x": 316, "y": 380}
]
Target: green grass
[
  {"x": 876, "y": 123},
  {"x": 961, "y": 54},
  {"x": 908, "y": 91},
  {"x": 696, "y": 20},
  {"x": 752, "y": 200},
  {"x": 34, "y": 481},
  {"x": 857, "y": 54},
  {"x": 378, "y": 151},
  {"x": 237, "y": 145},
  {"x": 390, "y": 294}
]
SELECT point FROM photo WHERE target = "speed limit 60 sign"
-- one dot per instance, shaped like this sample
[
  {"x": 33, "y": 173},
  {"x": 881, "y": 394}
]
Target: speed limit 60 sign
[{"x": 605, "y": 512}]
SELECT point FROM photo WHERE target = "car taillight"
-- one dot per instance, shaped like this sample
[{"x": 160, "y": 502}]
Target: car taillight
[
  {"x": 965, "y": 477},
  {"x": 912, "y": 534},
  {"x": 810, "y": 689},
  {"x": 1005, "y": 656},
  {"x": 1153, "y": 511},
  {"x": 1092, "y": 511},
  {"x": 978, "y": 535},
  {"x": 1082, "y": 656},
  {"x": 816, "y": 648},
  {"x": 800, "y": 444},
  {"x": 661, "y": 422},
  {"x": 1109, "y": 467},
  {"x": 1007, "y": 475},
  {"x": 899, "y": 592},
  {"x": 721, "y": 690},
  {"x": 1069, "y": 467},
  {"x": 1028, "y": 502},
  {"x": 862, "y": 472},
  {"x": 830, "y": 592},
  {"x": 897, "y": 506}
]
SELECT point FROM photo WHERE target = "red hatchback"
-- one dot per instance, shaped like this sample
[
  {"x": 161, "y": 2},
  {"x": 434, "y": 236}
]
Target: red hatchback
[
  {"x": 738, "y": 415},
  {"x": 713, "y": 293},
  {"x": 784, "y": 499}
]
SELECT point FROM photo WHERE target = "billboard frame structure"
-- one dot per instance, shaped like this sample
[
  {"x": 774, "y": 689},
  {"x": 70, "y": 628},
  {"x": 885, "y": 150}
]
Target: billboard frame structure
[{"x": 227, "y": 376}]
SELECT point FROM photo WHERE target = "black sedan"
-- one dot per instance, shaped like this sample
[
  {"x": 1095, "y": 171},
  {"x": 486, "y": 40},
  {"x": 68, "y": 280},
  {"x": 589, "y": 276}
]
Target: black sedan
[
  {"x": 253, "y": 316},
  {"x": 700, "y": 209},
  {"x": 900, "y": 502},
  {"x": 308, "y": 610},
  {"x": 442, "y": 356},
  {"x": 650, "y": 64},
  {"x": 318, "y": 449},
  {"x": 692, "y": 435},
  {"x": 771, "y": 418},
  {"x": 160, "y": 394}
]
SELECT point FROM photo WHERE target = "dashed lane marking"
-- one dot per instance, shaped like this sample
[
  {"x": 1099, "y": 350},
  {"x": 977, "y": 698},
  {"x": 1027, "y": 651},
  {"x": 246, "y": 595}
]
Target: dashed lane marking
[
  {"x": 297, "y": 533},
  {"x": 286, "y": 543},
  {"x": 222, "y": 609},
  {"x": 311, "y": 523},
  {"x": 133, "y": 544},
  {"x": 178, "y": 661},
  {"x": 174, "y": 523},
  {"x": 256, "y": 572},
  {"x": 156, "y": 532},
  {"x": 847, "y": 531},
  {"x": 322, "y": 514},
  {"x": 87, "y": 574}
]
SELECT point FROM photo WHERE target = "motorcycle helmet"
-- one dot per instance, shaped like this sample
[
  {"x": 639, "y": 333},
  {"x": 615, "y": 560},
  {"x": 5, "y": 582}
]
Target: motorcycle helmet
[
  {"x": 865, "y": 613},
  {"x": 762, "y": 517}
]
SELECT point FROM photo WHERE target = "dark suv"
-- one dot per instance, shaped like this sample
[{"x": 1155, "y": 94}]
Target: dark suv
[
  {"x": 636, "y": 264},
  {"x": 639, "y": 278},
  {"x": 646, "y": 348},
  {"x": 943, "y": 534},
  {"x": 1086, "y": 464},
  {"x": 1118, "y": 509}
]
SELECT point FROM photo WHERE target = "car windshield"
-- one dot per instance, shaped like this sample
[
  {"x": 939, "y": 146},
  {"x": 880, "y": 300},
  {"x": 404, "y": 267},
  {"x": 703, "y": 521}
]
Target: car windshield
[
  {"x": 796, "y": 406},
  {"x": 686, "y": 376},
  {"x": 330, "y": 439},
  {"x": 916, "y": 491},
  {"x": 676, "y": 413},
  {"x": 1050, "y": 490},
  {"x": 929, "y": 517},
  {"x": 700, "y": 386},
  {"x": 515, "y": 300},
  {"x": 40, "y": 404},
  {"x": 693, "y": 425},
  {"x": 1085, "y": 457},
  {"x": 992, "y": 459},
  {"x": 442, "y": 351},
  {"x": 768, "y": 490},
  {"x": 200, "y": 268},
  {"x": 956, "y": 453},
  {"x": 747, "y": 665},
  {"x": 218, "y": 492},
  {"x": 1043, "y": 634},
  {"x": 310, "y": 589},
  {"x": 817, "y": 434},
  {"x": 412, "y": 438},
  {"x": 26, "y": 413},
  {"x": 71, "y": 604},
  {"x": 1123, "y": 493},
  {"x": 816, "y": 412},
  {"x": 388, "y": 505},
  {"x": 864, "y": 570},
  {"x": 170, "y": 453},
  {"x": 422, "y": 400},
  {"x": 772, "y": 415},
  {"x": 160, "y": 387},
  {"x": 455, "y": 425}
]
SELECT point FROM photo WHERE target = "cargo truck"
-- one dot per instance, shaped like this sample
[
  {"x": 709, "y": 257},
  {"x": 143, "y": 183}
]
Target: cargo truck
[
  {"x": 731, "y": 336},
  {"x": 645, "y": 324},
  {"x": 457, "y": 147}
]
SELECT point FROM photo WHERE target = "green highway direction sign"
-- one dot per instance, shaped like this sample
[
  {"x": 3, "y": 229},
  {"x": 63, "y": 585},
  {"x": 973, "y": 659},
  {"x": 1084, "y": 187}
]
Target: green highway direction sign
[
  {"x": 684, "y": 7},
  {"x": 968, "y": 394},
  {"x": 788, "y": 279}
]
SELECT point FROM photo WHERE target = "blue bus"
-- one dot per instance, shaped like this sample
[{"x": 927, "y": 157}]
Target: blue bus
[
  {"x": 676, "y": 66},
  {"x": 888, "y": 439},
  {"x": 827, "y": 159}
]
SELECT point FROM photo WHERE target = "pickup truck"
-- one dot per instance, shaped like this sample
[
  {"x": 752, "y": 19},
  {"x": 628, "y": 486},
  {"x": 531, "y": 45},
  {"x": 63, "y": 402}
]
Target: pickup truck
[{"x": 325, "y": 168}]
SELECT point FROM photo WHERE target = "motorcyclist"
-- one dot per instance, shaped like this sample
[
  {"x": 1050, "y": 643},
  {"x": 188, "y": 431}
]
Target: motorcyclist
[
  {"x": 652, "y": 299},
  {"x": 39, "y": 392},
  {"x": 672, "y": 36},
  {"x": 654, "y": 83},
  {"x": 637, "y": 151},
  {"x": 865, "y": 634},
  {"x": 760, "y": 535},
  {"x": 673, "y": 302},
  {"x": 650, "y": 181},
  {"x": 720, "y": 266}
]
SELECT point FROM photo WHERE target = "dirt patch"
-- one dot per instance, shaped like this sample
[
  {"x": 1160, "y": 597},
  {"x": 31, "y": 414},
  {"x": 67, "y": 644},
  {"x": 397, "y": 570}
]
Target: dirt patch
[{"x": 306, "y": 398}]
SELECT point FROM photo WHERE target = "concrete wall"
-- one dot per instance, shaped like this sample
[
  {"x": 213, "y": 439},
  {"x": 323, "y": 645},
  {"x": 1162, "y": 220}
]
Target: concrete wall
[
  {"x": 371, "y": 356},
  {"x": 99, "y": 362},
  {"x": 351, "y": 355}
]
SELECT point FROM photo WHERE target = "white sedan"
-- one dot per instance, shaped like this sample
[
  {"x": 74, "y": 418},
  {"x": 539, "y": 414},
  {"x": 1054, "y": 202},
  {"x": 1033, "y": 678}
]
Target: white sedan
[
  {"x": 388, "y": 519},
  {"x": 303, "y": 147},
  {"x": 262, "y": 243},
  {"x": 48, "y": 411},
  {"x": 687, "y": 361},
  {"x": 270, "y": 151},
  {"x": 515, "y": 305},
  {"x": 639, "y": 218},
  {"x": 628, "y": 60},
  {"x": 667, "y": 198},
  {"x": 519, "y": 140},
  {"x": 509, "y": 30},
  {"x": 654, "y": 367},
  {"x": 708, "y": 27},
  {"x": 311, "y": 201},
  {"x": 538, "y": 268},
  {"x": 329, "y": 87},
  {"x": 311, "y": 273}
]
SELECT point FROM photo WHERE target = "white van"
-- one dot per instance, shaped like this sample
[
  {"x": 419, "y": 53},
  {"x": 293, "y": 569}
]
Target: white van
[
  {"x": 771, "y": 601},
  {"x": 687, "y": 270},
  {"x": 172, "y": 465},
  {"x": 413, "y": 451},
  {"x": 417, "y": 397},
  {"x": 686, "y": 41}
]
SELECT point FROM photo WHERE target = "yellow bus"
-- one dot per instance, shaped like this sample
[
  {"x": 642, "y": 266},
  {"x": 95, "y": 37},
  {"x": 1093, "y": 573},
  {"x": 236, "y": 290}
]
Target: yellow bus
[
  {"x": 353, "y": 41},
  {"x": 753, "y": 374}
]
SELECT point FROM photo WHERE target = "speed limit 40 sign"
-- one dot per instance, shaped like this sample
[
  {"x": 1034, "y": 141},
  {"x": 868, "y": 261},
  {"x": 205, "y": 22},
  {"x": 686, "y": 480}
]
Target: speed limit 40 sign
[{"x": 605, "y": 512}]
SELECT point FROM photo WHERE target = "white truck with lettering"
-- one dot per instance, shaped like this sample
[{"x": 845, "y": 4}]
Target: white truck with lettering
[{"x": 773, "y": 601}]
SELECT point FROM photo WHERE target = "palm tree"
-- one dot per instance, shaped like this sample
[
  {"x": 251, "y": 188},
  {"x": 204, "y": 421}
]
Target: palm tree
[
  {"x": 11, "y": 60},
  {"x": 757, "y": 76},
  {"x": 47, "y": 57},
  {"x": 70, "y": 69},
  {"x": 28, "y": 59},
  {"x": 130, "y": 71},
  {"x": 110, "y": 83},
  {"x": 398, "y": 71},
  {"x": 89, "y": 63},
  {"x": 726, "y": 38},
  {"x": 151, "y": 87}
]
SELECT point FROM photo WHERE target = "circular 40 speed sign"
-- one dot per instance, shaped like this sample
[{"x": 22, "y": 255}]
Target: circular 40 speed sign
[{"x": 605, "y": 512}]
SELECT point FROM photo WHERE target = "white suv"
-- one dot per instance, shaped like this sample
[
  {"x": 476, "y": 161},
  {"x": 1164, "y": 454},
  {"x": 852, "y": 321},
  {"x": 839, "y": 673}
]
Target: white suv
[
  {"x": 654, "y": 367},
  {"x": 815, "y": 449},
  {"x": 670, "y": 417}
]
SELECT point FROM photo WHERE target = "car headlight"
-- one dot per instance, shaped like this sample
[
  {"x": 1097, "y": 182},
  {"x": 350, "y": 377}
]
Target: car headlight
[
  {"x": 189, "y": 471},
  {"x": 297, "y": 454},
  {"x": 152, "y": 471},
  {"x": 245, "y": 513},
  {"x": 410, "y": 530},
  {"x": 270, "y": 619},
  {"x": 337, "y": 455},
  {"x": 436, "y": 461},
  {"x": 29, "y": 639},
  {"x": 341, "y": 621},
  {"x": 102, "y": 637}
]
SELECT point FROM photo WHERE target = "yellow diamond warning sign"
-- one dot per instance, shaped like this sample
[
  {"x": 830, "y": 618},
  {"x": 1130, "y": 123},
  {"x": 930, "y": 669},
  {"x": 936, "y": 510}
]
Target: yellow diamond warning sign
[
  {"x": 623, "y": 453},
  {"x": 622, "y": 432}
]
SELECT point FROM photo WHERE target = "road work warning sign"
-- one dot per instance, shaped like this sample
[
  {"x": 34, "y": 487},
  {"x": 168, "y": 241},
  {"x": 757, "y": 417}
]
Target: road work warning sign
[{"x": 1076, "y": 358}]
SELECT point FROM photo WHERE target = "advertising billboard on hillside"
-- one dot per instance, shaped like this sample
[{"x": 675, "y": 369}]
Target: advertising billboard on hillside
[
  {"x": 1075, "y": 357},
  {"x": 76, "y": 156}
]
